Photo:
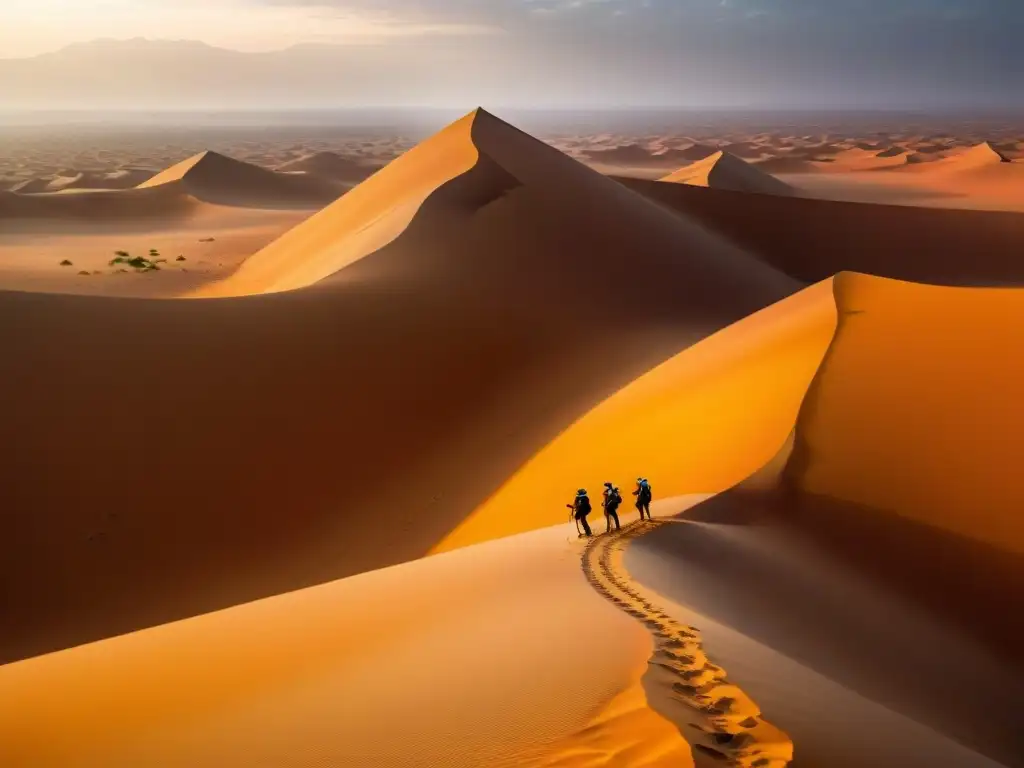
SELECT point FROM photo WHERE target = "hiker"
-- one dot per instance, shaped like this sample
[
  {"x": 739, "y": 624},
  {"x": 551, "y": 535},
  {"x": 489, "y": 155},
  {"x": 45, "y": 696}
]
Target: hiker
[
  {"x": 580, "y": 509},
  {"x": 611, "y": 502},
  {"x": 643, "y": 497}
]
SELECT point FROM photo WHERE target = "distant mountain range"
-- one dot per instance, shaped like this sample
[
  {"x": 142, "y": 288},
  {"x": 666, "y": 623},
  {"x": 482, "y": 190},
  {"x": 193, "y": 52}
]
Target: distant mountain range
[{"x": 154, "y": 74}]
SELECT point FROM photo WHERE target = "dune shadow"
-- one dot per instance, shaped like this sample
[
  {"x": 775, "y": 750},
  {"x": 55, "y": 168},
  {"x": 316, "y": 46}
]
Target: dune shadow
[{"x": 917, "y": 621}]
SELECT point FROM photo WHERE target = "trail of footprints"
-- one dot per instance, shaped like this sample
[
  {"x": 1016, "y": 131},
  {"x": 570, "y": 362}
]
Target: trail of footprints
[{"x": 721, "y": 723}]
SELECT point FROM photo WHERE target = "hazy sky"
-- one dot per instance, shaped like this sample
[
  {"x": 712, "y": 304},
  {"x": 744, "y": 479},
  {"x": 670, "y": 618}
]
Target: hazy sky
[{"x": 656, "y": 52}]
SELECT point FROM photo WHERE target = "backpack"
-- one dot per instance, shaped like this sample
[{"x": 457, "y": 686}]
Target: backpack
[
  {"x": 583, "y": 504},
  {"x": 614, "y": 499},
  {"x": 645, "y": 491}
]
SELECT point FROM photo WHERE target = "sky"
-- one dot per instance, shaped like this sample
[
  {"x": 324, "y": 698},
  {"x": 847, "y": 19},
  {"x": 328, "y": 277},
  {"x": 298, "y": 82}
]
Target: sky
[{"x": 885, "y": 53}]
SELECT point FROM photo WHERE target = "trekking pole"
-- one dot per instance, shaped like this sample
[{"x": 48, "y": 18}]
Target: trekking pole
[{"x": 572, "y": 516}]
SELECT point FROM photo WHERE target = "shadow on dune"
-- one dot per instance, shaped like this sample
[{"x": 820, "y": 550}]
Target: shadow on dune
[
  {"x": 899, "y": 613},
  {"x": 814, "y": 239}
]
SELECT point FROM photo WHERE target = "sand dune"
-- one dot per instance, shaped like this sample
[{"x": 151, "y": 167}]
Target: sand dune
[
  {"x": 980, "y": 156},
  {"x": 703, "y": 421},
  {"x": 931, "y": 436},
  {"x": 215, "y": 178},
  {"x": 383, "y": 669},
  {"x": 329, "y": 165},
  {"x": 726, "y": 171},
  {"x": 886, "y": 560},
  {"x": 141, "y": 205},
  {"x": 857, "y": 670},
  {"x": 909, "y": 243},
  {"x": 785, "y": 164},
  {"x": 859, "y": 159},
  {"x": 124, "y": 178},
  {"x": 288, "y": 437},
  {"x": 511, "y": 175}
]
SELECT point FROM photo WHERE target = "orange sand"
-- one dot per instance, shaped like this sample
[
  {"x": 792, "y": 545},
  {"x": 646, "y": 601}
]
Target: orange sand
[
  {"x": 443, "y": 661},
  {"x": 699, "y": 423},
  {"x": 726, "y": 171},
  {"x": 917, "y": 409}
]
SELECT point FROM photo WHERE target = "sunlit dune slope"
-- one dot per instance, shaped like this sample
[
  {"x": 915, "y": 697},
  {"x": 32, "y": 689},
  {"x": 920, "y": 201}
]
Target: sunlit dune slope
[
  {"x": 215, "y": 178},
  {"x": 815, "y": 239},
  {"x": 484, "y": 170},
  {"x": 255, "y": 445},
  {"x": 907, "y": 450},
  {"x": 982, "y": 155},
  {"x": 917, "y": 409},
  {"x": 699, "y": 423},
  {"x": 723, "y": 170},
  {"x": 161, "y": 203},
  {"x": 368, "y": 218},
  {"x": 350, "y": 674}
]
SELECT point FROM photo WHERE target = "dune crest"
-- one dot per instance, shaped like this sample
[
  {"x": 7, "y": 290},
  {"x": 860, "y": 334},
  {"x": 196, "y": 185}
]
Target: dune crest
[
  {"x": 324, "y": 674},
  {"x": 369, "y": 217},
  {"x": 979, "y": 156},
  {"x": 215, "y": 178},
  {"x": 477, "y": 167},
  {"x": 898, "y": 341},
  {"x": 695, "y": 424},
  {"x": 163, "y": 203},
  {"x": 724, "y": 170}
]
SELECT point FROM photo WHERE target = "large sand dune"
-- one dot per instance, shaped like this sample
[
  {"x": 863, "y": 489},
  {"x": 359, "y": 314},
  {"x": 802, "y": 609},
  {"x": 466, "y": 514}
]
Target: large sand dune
[
  {"x": 877, "y": 587},
  {"x": 814, "y": 239},
  {"x": 702, "y": 421},
  {"x": 892, "y": 550},
  {"x": 723, "y": 170},
  {"x": 215, "y": 178},
  {"x": 260, "y": 444},
  {"x": 443, "y": 661}
]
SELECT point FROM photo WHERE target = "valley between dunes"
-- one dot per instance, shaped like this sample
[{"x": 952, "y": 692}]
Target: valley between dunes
[{"x": 310, "y": 509}]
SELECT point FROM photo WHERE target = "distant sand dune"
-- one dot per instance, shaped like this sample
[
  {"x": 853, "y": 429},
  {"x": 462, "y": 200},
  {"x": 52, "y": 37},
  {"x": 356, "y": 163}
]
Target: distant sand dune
[
  {"x": 293, "y": 438},
  {"x": 723, "y": 170},
  {"x": 330, "y": 165},
  {"x": 979, "y": 156},
  {"x": 937, "y": 245},
  {"x": 160, "y": 203},
  {"x": 785, "y": 164},
  {"x": 215, "y": 178}
]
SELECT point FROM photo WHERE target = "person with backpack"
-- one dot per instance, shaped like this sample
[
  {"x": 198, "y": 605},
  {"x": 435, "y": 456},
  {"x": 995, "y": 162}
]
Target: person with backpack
[
  {"x": 611, "y": 502},
  {"x": 580, "y": 509},
  {"x": 643, "y": 497}
]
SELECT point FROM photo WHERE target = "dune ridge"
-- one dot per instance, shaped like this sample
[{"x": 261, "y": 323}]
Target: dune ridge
[
  {"x": 979, "y": 156},
  {"x": 216, "y": 178},
  {"x": 474, "y": 165},
  {"x": 167, "y": 203},
  {"x": 724, "y": 170},
  {"x": 730, "y": 727},
  {"x": 324, "y": 674},
  {"x": 694, "y": 424}
]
